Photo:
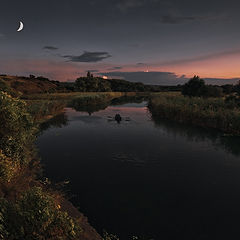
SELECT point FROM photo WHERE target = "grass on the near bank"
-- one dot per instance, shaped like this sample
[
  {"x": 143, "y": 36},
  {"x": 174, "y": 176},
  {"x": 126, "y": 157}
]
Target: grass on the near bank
[{"x": 205, "y": 112}]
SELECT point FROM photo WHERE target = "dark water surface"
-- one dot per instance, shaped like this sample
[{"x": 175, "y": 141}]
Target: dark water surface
[{"x": 143, "y": 177}]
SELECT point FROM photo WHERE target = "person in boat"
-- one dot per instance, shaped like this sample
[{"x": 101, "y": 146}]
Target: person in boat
[{"x": 118, "y": 118}]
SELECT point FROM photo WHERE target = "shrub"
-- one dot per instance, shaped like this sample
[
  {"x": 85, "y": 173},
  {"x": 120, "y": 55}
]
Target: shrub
[
  {"x": 36, "y": 215},
  {"x": 6, "y": 88},
  {"x": 232, "y": 101},
  {"x": 8, "y": 168},
  {"x": 195, "y": 87},
  {"x": 212, "y": 91},
  {"x": 16, "y": 128}
]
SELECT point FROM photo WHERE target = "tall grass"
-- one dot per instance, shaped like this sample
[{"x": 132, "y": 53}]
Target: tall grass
[
  {"x": 209, "y": 113},
  {"x": 57, "y": 96},
  {"x": 45, "y": 106}
]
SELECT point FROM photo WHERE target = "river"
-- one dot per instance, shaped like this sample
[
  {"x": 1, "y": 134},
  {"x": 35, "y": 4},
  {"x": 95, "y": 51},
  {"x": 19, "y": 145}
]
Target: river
[{"x": 145, "y": 177}]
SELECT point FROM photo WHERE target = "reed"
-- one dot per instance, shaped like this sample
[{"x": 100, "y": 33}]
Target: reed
[{"x": 204, "y": 112}]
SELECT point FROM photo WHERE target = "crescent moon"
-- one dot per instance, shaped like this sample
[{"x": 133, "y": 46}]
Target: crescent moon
[{"x": 20, "y": 27}]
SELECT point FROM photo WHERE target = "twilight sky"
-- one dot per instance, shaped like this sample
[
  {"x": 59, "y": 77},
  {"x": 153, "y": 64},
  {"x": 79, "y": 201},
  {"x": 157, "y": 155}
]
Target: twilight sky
[{"x": 171, "y": 39}]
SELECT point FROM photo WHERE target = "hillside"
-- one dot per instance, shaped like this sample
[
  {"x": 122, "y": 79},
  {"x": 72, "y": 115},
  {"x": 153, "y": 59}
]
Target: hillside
[{"x": 18, "y": 86}]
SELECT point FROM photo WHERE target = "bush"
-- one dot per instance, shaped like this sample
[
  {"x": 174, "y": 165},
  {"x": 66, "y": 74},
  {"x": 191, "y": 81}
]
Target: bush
[
  {"x": 91, "y": 84},
  {"x": 232, "y": 101},
  {"x": 36, "y": 215},
  {"x": 16, "y": 128},
  {"x": 8, "y": 168},
  {"x": 195, "y": 87},
  {"x": 6, "y": 88},
  {"x": 212, "y": 91}
]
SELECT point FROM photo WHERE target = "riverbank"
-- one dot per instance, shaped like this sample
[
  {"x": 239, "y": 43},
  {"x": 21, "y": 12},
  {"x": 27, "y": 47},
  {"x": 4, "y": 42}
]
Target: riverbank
[
  {"x": 72, "y": 95},
  {"x": 30, "y": 206},
  {"x": 45, "y": 106},
  {"x": 204, "y": 112}
]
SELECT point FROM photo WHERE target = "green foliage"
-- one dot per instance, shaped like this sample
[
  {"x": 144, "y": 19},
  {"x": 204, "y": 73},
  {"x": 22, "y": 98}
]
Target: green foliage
[
  {"x": 42, "y": 109},
  {"x": 232, "y": 101},
  {"x": 8, "y": 168},
  {"x": 196, "y": 87},
  {"x": 98, "y": 84},
  {"x": 118, "y": 85},
  {"x": 212, "y": 112},
  {"x": 16, "y": 128},
  {"x": 212, "y": 91},
  {"x": 109, "y": 236},
  {"x": 36, "y": 215},
  {"x": 90, "y": 84},
  {"x": 6, "y": 88}
]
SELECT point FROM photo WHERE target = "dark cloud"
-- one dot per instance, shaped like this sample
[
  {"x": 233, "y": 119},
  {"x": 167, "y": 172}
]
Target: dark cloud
[
  {"x": 115, "y": 68},
  {"x": 164, "y": 78},
  {"x": 178, "y": 19},
  {"x": 50, "y": 48},
  {"x": 171, "y": 19},
  {"x": 134, "y": 45},
  {"x": 88, "y": 57},
  {"x": 156, "y": 78},
  {"x": 202, "y": 58},
  {"x": 221, "y": 81},
  {"x": 124, "y": 5},
  {"x": 92, "y": 70}
]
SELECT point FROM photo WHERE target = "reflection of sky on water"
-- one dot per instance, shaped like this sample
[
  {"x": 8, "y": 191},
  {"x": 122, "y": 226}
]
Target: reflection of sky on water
[{"x": 140, "y": 176}]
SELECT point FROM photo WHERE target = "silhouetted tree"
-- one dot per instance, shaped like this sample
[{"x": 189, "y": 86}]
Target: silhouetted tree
[
  {"x": 195, "y": 87},
  {"x": 88, "y": 74}
]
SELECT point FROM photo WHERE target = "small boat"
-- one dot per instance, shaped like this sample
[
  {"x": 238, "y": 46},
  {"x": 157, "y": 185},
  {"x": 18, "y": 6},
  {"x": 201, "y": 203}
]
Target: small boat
[{"x": 118, "y": 118}]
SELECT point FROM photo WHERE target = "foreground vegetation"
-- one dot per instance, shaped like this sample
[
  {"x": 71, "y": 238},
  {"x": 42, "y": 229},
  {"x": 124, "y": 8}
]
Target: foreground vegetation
[
  {"x": 217, "y": 113},
  {"x": 29, "y": 208}
]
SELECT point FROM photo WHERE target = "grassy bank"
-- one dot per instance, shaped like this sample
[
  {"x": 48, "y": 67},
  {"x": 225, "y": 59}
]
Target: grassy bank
[
  {"x": 72, "y": 95},
  {"x": 30, "y": 208},
  {"x": 45, "y": 106},
  {"x": 209, "y": 113}
]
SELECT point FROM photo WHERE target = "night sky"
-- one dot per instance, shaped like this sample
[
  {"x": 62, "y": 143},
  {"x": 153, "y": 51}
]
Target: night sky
[{"x": 154, "y": 41}]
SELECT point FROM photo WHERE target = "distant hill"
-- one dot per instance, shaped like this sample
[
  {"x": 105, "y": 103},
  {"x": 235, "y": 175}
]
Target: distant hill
[{"x": 17, "y": 85}]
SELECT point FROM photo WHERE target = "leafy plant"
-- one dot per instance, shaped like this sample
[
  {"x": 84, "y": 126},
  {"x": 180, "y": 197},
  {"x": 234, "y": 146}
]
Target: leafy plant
[{"x": 36, "y": 215}]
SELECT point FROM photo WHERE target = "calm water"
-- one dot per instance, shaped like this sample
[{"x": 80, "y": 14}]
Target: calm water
[{"x": 144, "y": 177}]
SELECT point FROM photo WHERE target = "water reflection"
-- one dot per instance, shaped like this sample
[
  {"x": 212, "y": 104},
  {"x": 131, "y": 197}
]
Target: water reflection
[
  {"x": 191, "y": 133},
  {"x": 128, "y": 99},
  {"x": 58, "y": 121},
  {"x": 91, "y": 106},
  {"x": 84, "y": 105},
  {"x": 145, "y": 177},
  {"x": 197, "y": 134}
]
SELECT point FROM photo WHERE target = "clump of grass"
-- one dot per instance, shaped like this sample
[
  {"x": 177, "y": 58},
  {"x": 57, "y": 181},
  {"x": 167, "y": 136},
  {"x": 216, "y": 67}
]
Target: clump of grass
[
  {"x": 210, "y": 113},
  {"x": 41, "y": 110}
]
